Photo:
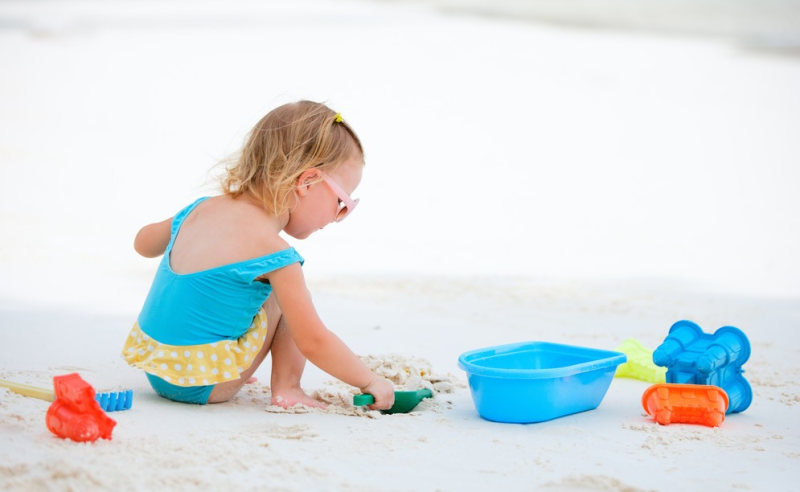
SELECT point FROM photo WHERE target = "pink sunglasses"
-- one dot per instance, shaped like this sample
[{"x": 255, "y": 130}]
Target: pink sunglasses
[{"x": 346, "y": 204}]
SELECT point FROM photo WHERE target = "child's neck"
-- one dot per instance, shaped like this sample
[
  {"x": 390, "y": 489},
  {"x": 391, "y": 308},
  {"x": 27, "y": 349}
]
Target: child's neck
[{"x": 280, "y": 220}]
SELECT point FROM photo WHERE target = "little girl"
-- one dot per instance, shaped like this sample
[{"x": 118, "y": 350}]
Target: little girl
[{"x": 229, "y": 288}]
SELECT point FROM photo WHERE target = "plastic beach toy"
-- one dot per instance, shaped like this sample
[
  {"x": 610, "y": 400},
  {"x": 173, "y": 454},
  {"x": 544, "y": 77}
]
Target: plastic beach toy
[
  {"x": 694, "y": 357},
  {"x": 76, "y": 414},
  {"x": 537, "y": 381},
  {"x": 110, "y": 401},
  {"x": 404, "y": 401},
  {"x": 640, "y": 363},
  {"x": 686, "y": 404}
]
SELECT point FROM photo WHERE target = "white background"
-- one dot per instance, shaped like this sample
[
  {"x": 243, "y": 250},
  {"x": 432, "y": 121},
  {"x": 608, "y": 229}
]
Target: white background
[{"x": 494, "y": 147}]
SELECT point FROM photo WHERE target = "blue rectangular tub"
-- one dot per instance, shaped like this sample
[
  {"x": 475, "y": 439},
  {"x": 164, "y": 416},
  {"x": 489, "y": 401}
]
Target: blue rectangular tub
[{"x": 537, "y": 381}]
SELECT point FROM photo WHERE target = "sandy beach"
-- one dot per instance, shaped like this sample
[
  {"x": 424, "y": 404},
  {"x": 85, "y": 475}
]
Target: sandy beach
[{"x": 524, "y": 181}]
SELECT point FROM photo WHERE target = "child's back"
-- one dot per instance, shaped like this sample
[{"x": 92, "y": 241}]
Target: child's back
[{"x": 223, "y": 230}]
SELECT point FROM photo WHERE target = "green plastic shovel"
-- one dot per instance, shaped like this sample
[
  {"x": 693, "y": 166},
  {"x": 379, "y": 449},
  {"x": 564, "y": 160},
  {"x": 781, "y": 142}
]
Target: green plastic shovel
[{"x": 404, "y": 401}]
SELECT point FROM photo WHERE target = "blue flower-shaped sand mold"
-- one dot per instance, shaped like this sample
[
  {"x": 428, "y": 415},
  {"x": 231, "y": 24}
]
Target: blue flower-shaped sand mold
[{"x": 694, "y": 357}]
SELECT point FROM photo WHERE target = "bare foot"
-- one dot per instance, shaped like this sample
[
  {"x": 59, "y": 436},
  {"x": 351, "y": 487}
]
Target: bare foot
[
  {"x": 251, "y": 380},
  {"x": 287, "y": 398}
]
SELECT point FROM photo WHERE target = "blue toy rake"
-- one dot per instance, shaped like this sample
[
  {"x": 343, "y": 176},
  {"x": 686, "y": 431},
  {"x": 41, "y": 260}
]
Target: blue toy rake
[{"x": 110, "y": 401}]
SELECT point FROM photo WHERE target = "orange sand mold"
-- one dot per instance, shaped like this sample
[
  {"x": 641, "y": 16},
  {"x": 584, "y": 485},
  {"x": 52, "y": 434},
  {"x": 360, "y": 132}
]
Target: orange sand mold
[{"x": 686, "y": 404}]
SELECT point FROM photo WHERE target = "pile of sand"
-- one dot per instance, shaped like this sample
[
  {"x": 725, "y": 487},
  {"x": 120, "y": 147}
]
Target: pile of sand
[{"x": 405, "y": 372}]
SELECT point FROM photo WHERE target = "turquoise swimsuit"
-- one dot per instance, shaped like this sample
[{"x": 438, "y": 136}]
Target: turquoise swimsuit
[{"x": 199, "y": 329}]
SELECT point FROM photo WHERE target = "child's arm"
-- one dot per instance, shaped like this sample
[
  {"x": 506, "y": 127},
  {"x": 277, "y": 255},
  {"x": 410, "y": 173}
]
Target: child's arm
[
  {"x": 152, "y": 240},
  {"x": 320, "y": 345}
]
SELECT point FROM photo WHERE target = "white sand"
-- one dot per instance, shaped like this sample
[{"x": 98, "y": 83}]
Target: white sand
[
  {"x": 447, "y": 447},
  {"x": 523, "y": 183}
]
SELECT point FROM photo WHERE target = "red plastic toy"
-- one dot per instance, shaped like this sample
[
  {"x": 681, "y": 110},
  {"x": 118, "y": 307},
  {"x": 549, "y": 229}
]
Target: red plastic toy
[
  {"x": 75, "y": 414},
  {"x": 686, "y": 404}
]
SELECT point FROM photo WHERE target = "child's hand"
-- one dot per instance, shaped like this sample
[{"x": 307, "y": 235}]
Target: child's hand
[{"x": 382, "y": 390}]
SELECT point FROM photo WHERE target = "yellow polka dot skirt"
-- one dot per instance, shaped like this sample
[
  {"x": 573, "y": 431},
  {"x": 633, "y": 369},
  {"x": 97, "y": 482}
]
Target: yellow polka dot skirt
[{"x": 196, "y": 365}]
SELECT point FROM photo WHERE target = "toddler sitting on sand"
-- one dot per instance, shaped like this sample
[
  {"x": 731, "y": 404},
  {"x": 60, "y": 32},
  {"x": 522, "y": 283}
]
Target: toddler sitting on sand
[{"x": 229, "y": 288}]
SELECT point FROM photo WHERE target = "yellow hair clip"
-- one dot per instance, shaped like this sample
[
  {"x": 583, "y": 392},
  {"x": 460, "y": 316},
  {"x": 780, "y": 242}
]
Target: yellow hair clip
[{"x": 338, "y": 118}]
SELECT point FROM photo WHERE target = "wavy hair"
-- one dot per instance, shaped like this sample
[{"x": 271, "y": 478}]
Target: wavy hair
[{"x": 286, "y": 142}]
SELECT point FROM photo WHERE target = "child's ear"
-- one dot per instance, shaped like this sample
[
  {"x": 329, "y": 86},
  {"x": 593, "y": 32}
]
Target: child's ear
[{"x": 308, "y": 178}]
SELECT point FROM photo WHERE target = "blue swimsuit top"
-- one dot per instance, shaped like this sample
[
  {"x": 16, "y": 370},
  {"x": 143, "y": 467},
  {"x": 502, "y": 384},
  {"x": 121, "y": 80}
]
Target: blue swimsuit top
[{"x": 211, "y": 305}]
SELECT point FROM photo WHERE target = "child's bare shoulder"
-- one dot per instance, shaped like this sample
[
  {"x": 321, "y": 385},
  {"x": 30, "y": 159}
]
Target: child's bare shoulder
[{"x": 247, "y": 224}]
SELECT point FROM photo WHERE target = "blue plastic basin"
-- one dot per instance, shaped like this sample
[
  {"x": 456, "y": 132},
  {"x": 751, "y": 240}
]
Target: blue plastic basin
[{"x": 537, "y": 381}]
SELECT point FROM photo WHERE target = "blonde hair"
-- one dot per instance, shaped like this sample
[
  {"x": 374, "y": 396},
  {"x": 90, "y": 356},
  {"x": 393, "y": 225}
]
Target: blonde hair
[{"x": 289, "y": 140}]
